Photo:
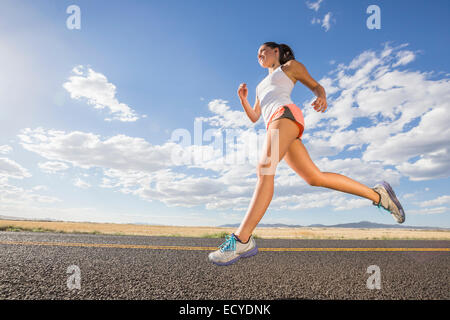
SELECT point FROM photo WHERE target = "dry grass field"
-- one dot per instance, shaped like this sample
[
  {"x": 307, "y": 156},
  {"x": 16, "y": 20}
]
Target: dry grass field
[{"x": 217, "y": 232}]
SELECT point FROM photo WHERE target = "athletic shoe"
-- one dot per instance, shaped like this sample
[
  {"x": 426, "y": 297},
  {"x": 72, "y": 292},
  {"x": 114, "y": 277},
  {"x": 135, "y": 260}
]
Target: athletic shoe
[
  {"x": 232, "y": 250},
  {"x": 389, "y": 201}
]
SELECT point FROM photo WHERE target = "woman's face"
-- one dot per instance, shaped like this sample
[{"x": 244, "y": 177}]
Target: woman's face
[{"x": 267, "y": 56}]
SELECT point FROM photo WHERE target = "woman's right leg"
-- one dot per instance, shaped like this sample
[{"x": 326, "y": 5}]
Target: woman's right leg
[
  {"x": 262, "y": 196},
  {"x": 299, "y": 160}
]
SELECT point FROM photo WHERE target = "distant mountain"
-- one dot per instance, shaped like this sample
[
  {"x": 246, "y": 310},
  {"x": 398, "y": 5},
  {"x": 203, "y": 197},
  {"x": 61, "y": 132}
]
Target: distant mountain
[
  {"x": 361, "y": 224},
  {"x": 25, "y": 219},
  {"x": 11, "y": 218},
  {"x": 265, "y": 225}
]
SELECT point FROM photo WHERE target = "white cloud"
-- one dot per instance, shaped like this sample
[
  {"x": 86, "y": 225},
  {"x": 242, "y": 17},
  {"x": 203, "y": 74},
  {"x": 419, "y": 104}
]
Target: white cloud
[
  {"x": 429, "y": 140},
  {"x": 314, "y": 5},
  {"x": 39, "y": 188},
  {"x": 225, "y": 117},
  {"x": 81, "y": 183},
  {"x": 435, "y": 202},
  {"x": 130, "y": 164},
  {"x": 5, "y": 149},
  {"x": 99, "y": 93},
  {"x": 86, "y": 150},
  {"x": 404, "y": 57},
  {"x": 11, "y": 169},
  {"x": 436, "y": 210},
  {"x": 53, "y": 166},
  {"x": 11, "y": 195},
  {"x": 410, "y": 195},
  {"x": 325, "y": 22}
]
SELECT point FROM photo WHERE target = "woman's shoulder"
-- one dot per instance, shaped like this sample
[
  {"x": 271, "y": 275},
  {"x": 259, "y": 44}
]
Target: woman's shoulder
[
  {"x": 291, "y": 68},
  {"x": 292, "y": 64}
]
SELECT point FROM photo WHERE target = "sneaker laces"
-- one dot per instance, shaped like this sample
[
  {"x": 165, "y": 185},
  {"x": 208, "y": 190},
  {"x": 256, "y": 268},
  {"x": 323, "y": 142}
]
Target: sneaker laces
[{"x": 229, "y": 244}]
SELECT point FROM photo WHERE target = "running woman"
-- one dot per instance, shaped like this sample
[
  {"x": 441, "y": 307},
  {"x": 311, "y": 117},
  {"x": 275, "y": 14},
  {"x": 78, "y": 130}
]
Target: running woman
[{"x": 285, "y": 124}]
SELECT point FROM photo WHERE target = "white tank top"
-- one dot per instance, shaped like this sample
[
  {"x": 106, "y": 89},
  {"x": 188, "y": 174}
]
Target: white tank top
[{"x": 273, "y": 92}]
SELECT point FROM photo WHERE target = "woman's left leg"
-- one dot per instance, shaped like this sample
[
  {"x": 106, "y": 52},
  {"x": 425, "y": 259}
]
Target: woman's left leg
[
  {"x": 299, "y": 160},
  {"x": 280, "y": 134}
]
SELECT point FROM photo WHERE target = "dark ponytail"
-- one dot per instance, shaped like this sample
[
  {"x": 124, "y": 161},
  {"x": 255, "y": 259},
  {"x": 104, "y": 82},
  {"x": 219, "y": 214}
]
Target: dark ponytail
[{"x": 286, "y": 52}]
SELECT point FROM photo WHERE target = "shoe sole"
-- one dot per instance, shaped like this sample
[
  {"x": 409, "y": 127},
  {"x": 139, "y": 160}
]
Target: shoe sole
[
  {"x": 244, "y": 255},
  {"x": 393, "y": 197}
]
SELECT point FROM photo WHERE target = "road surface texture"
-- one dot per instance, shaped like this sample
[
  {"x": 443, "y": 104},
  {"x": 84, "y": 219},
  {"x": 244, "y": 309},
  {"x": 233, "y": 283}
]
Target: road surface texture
[{"x": 41, "y": 266}]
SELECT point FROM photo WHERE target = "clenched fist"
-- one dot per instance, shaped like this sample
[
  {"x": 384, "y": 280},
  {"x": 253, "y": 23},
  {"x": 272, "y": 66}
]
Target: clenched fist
[
  {"x": 242, "y": 91},
  {"x": 320, "y": 104}
]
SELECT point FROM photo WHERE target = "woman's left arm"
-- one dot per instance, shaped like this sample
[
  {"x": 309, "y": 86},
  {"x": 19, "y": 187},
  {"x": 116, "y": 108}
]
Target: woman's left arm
[{"x": 298, "y": 70}]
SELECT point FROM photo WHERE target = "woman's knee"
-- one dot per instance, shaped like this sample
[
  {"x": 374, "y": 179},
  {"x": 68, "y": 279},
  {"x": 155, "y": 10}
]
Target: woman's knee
[{"x": 265, "y": 169}]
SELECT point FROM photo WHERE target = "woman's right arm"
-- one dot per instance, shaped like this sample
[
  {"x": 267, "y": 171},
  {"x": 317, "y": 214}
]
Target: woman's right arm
[{"x": 252, "y": 113}]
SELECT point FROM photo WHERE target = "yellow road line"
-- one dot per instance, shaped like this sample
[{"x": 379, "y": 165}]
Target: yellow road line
[
  {"x": 150, "y": 247},
  {"x": 105, "y": 245}
]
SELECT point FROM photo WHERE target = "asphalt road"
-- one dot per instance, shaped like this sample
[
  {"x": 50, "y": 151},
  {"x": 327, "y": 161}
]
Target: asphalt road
[{"x": 35, "y": 266}]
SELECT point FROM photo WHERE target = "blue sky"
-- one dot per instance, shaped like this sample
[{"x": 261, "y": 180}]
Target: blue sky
[{"x": 88, "y": 115}]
